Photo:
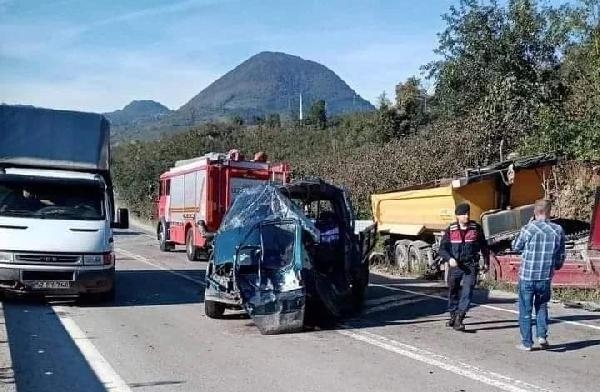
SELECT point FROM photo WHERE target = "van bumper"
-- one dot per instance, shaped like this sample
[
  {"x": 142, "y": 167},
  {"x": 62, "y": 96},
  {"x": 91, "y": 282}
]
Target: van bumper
[{"x": 20, "y": 279}]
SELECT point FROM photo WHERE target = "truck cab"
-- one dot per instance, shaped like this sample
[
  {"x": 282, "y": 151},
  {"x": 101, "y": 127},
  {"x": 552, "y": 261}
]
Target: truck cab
[{"x": 56, "y": 206}]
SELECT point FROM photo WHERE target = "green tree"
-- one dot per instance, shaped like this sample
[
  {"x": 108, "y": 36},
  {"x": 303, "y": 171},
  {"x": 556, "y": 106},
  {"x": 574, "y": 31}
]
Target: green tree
[
  {"x": 317, "y": 114},
  {"x": 237, "y": 120},
  {"x": 499, "y": 68},
  {"x": 411, "y": 104},
  {"x": 273, "y": 121}
]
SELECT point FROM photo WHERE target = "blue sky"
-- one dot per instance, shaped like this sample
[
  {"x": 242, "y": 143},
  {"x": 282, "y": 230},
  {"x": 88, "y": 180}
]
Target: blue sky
[{"x": 100, "y": 55}]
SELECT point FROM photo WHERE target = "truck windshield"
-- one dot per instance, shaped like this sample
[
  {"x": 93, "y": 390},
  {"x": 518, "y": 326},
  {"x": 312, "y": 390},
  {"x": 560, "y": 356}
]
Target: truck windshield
[{"x": 51, "y": 200}]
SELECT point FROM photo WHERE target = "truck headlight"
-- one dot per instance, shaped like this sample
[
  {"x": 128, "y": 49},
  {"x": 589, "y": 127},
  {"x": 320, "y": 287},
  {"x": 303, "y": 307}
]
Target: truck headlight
[
  {"x": 7, "y": 257},
  {"x": 92, "y": 259},
  {"x": 103, "y": 259}
]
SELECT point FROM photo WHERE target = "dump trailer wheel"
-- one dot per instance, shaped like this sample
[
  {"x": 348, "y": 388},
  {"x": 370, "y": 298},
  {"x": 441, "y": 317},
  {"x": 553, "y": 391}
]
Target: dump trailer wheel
[
  {"x": 190, "y": 249},
  {"x": 214, "y": 309},
  {"x": 401, "y": 258},
  {"x": 420, "y": 255}
]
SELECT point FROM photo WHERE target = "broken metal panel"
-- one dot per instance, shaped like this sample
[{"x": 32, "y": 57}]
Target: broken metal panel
[{"x": 267, "y": 273}]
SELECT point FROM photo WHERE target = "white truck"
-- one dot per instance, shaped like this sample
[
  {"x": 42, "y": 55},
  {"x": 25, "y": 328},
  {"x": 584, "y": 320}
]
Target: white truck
[{"x": 57, "y": 210}]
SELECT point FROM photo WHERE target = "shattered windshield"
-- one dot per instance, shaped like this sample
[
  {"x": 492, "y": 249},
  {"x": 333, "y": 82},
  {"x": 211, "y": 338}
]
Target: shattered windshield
[{"x": 263, "y": 203}]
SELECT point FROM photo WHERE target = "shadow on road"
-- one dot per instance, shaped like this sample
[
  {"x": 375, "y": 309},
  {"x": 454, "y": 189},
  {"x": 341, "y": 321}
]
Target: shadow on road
[
  {"x": 574, "y": 346},
  {"x": 156, "y": 287},
  {"x": 44, "y": 356},
  {"x": 120, "y": 233}
]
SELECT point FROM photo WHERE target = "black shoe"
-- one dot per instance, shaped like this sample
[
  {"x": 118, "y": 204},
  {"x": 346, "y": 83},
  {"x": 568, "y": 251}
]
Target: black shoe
[
  {"x": 452, "y": 320},
  {"x": 458, "y": 324}
]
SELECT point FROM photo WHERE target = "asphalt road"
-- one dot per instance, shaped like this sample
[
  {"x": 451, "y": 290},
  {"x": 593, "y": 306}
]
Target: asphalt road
[{"x": 155, "y": 337}]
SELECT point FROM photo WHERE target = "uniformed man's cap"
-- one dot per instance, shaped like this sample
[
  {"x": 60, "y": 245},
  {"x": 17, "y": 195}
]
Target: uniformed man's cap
[{"x": 463, "y": 209}]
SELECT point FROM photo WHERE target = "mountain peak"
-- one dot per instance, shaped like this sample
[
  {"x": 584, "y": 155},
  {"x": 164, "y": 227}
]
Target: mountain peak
[
  {"x": 271, "y": 82},
  {"x": 138, "y": 111},
  {"x": 145, "y": 106},
  {"x": 264, "y": 84}
]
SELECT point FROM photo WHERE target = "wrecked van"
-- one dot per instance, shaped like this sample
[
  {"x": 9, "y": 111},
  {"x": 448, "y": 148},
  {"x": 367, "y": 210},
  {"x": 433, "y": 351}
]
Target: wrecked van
[{"x": 289, "y": 257}]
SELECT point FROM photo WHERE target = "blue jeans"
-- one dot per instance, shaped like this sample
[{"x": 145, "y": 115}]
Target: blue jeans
[
  {"x": 533, "y": 294},
  {"x": 459, "y": 297}
]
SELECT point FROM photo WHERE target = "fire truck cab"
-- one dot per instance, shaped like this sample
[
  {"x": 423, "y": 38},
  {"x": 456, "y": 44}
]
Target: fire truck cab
[{"x": 196, "y": 193}]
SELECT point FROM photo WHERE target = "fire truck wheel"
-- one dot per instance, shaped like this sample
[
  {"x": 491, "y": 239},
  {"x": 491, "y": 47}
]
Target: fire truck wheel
[
  {"x": 213, "y": 309},
  {"x": 162, "y": 238},
  {"x": 191, "y": 250}
]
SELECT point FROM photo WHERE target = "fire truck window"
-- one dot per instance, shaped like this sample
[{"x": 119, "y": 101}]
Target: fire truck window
[{"x": 167, "y": 187}]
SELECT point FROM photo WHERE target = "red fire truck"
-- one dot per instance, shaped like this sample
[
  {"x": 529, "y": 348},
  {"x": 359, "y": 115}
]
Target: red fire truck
[{"x": 196, "y": 193}]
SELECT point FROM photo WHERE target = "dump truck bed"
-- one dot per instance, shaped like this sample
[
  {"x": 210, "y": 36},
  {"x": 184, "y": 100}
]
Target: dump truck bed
[{"x": 430, "y": 207}]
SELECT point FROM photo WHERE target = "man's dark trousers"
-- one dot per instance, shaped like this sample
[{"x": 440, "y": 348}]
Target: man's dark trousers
[{"x": 459, "y": 300}]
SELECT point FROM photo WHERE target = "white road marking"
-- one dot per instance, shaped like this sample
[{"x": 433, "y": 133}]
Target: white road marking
[
  {"x": 556, "y": 320},
  {"x": 160, "y": 267},
  {"x": 106, "y": 374},
  {"x": 481, "y": 375}
]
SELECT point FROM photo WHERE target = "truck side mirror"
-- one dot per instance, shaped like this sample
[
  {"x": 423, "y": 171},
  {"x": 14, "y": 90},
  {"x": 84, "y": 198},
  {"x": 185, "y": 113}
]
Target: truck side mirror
[{"x": 122, "y": 221}]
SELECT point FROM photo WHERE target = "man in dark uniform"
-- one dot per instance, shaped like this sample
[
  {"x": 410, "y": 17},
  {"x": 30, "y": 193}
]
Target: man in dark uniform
[{"x": 460, "y": 248}]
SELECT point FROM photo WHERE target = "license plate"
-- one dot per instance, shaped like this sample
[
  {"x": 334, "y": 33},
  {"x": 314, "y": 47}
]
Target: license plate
[{"x": 50, "y": 284}]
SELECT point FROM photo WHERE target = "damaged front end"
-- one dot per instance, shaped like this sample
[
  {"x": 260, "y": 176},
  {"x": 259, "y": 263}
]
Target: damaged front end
[
  {"x": 267, "y": 273},
  {"x": 258, "y": 260}
]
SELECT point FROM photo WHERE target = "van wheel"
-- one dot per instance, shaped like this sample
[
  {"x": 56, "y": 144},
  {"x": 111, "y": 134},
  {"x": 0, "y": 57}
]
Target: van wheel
[
  {"x": 214, "y": 309},
  {"x": 191, "y": 250},
  {"x": 162, "y": 238}
]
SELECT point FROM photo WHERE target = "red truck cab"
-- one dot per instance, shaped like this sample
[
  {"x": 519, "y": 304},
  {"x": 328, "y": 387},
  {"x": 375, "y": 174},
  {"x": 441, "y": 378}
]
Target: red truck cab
[{"x": 196, "y": 193}]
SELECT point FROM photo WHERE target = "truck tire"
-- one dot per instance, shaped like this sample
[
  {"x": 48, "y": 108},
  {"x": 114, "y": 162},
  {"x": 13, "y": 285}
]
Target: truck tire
[
  {"x": 214, "y": 309},
  {"x": 419, "y": 255},
  {"x": 190, "y": 249},
  {"x": 359, "y": 288},
  {"x": 401, "y": 259},
  {"x": 164, "y": 245}
]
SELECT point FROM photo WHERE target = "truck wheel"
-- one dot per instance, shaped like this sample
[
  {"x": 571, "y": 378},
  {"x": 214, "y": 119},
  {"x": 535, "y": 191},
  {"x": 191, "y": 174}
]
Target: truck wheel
[
  {"x": 359, "y": 288},
  {"x": 191, "y": 250},
  {"x": 418, "y": 255},
  {"x": 214, "y": 309},
  {"x": 401, "y": 259},
  {"x": 162, "y": 238}
]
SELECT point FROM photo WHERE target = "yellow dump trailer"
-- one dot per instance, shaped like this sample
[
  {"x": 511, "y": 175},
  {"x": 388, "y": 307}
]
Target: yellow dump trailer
[{"x": 500, "y": 196}]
